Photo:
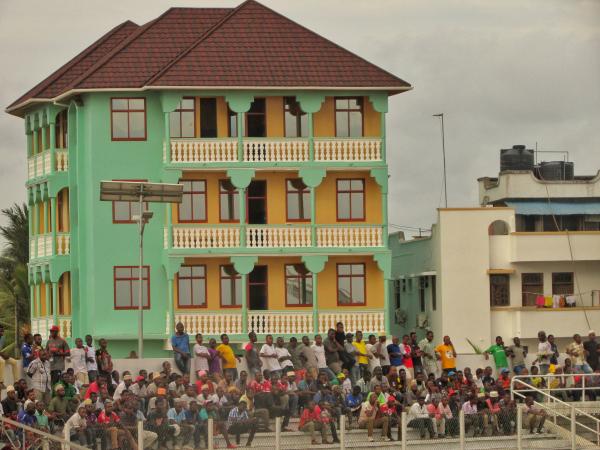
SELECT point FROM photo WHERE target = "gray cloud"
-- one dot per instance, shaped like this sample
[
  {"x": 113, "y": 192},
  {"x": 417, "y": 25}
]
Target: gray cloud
[{"x": 503, "y": 72}]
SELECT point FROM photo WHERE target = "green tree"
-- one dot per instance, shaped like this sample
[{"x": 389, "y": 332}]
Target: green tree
[{"x": 14, "y": 284}]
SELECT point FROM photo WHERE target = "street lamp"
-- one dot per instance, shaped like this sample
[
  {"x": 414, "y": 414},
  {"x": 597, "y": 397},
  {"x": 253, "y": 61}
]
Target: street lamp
[
  {"x": 141, "y": 192},
  {"x": 441, "y": 116}
]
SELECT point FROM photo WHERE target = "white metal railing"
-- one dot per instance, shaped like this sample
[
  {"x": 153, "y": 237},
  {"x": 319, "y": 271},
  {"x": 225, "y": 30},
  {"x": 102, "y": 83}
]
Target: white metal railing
[
  {"x": 276, "y": 150},
  {"x": 63, "y": 244},
  {"x": 280, "y": 322},
  {"x": 585, "y": 386},
  {"x": 370, "y": 321},
  {"x": 277, "y": 237},
  {"x": 350, "y": 236},
  {"x": 203, "y": 150},
  {"x": 208, "y": 323},
  {"x": 62, "y": 160},
  {"x": 348, "y": 149},
  {"x": 206, "y": 237}
]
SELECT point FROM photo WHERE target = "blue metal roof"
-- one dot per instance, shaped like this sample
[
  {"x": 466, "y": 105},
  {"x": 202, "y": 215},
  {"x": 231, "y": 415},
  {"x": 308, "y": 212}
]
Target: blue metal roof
[{"x": 557, "y": 207}]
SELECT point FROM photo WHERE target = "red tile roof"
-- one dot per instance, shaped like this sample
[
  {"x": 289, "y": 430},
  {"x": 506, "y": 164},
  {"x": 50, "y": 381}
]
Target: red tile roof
[{"x": 249, "y": 46}]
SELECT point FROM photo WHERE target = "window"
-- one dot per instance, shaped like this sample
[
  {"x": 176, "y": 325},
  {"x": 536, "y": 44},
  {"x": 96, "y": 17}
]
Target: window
[
  {"x": 498, "y": 227},
  {"x": 256, "y": 119},
  {"x": 127, "y": 285},
  {"x": 128, "y": 119},
  {"x": 61, "y": 130},
  {"x": 231, "y": 287},
  {"x": 433, "y": 294},
  {"x": 183, "y": 120},
  {"x": 562, "y": 283},
  {"x": 296, "y": 120},
  {"x": 208, "y": 117},
  {"x": 191, "y": 287},
  {"x": 499, "y": 290},
  {"x": 123, "y": 211},
  {"x": 351, "y": 284},
  {"x": 350, "y": 199},
  {"x": 298, "y": 200},
  {"x": 232, "y": 128},
  {"x": 398, "y": 293},
  {"x": 298, "y": 285},
  {"x": 348, "y": 117},
  {"x": 532, "y": 285},
  {"x": 229, "y": 205},
  {"x": 423, "y": 285},
  {"x": 193, "y": 203}
]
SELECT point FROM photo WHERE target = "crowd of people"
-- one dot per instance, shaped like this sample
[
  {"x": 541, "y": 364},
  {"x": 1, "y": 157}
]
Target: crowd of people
[{"x": 371, "y": 383}]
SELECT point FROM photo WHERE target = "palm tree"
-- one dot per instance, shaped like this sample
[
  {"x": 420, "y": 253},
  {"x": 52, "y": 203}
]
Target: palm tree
[{"x": 14, "y": 284}]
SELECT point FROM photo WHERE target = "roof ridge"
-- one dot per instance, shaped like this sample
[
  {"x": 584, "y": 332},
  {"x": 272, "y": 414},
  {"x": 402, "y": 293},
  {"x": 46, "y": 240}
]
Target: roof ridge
[
  {"x": 115, "y": 51},
  {"x": 197, "y": 41},
  {"x": 43, "y": 84}
]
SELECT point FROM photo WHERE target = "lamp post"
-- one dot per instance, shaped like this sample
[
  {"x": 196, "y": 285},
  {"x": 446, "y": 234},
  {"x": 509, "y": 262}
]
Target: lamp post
[
  {"x": 441, "y": 116},
  {"x": 141, "y": 192}
]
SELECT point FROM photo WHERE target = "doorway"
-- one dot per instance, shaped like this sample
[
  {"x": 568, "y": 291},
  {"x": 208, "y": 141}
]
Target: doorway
[
  {"x": 256, "y": 202},
  {"x": 258, "y": 289}
]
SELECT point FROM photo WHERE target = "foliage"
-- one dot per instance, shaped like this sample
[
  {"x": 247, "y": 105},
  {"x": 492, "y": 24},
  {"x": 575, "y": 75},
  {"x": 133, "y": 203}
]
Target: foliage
[{"x": 475, "y": 347}]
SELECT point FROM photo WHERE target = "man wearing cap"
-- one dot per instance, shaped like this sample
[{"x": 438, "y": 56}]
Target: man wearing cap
[
  {"x": 10, "y": 404},
  {"x": 592, "y": 347},
  {"x": 59, "y": 407},
  {"x": 6, "y": 359},
  {"x": 239, "y": 422},
  {"x": 58, "y": 350},
  {"x": 123, "y": 385},
  {"x": 39, "y": 372}
]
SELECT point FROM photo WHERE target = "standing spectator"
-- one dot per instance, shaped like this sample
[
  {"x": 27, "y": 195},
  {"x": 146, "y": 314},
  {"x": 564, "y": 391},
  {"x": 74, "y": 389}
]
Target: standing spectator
[
  {"x": 253, "y": 362},
  {"x": 407, "y": 357},
  {"x": 577, "y": 353},
  {"x": 544, "y": 353},
  {"x": 395, "y": 353},
  {"x": 180, "y": 342},
  {"x": 352, "y": 353},
  {"x": 239, "y": 422},
  {"x": 447, "y": 354},
  {"x": 214, "y": 361},
  {"x": 90, "y": 358},
  {"x": 593, "y": 350},
  {"x": 268, "y": 356},
  {"x": 362, "y": 356},
  {"x": 37, "y": 345},
  {"x": 201, "y": 355},
  {"x": 384, "y": 357},
  {"x": 498, "y": 352},
  {"x": 295, "y": 355},
  {"x": 283, "y": 356},
  {"x": 39, "y": 372},
  {"x": 374, "y": 355},
  {"x": 428, "y": 358},
  {"x": 416, "y": 353},
  {"x": 517, "y": 354},
  {"x": 58, "y": 350},
  {"x": 333, "y": 349},
  {"x": 78, "y": 359},
  {"x": 228, "y": 357},
  {"x": 5, "y": 358},
  {"x": 104, "y": 360},
  {"x": 340, "y": 336},
  {"x": 308, "y": 357},
  {"x": 555, "y": 352},
  {"x": 27, "y": 354}
]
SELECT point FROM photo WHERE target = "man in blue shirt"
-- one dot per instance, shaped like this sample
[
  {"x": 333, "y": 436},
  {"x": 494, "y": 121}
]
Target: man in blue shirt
[
  {"x": 180, "y": 342},
  {"x": 395, "y": 353},
  {"x": 27, "y": 351}
]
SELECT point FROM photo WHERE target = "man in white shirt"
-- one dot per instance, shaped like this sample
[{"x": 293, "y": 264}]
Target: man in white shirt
[
  {"x": 90, "y": 355},
  {"x": 268, "y": 356},
  {"x": 79, "y": 362},
  {"x": 544, "y": 353},
  {"x": 201, "y": 355},
  {"x": 420, "y": 419},
  {"x": 122, "y": 386},
  {"x": 472, "y": 416},
  {"x": 319, "y": 350},
  {"x": 374, "y": 355},
  {"x": 384, "y": 356},
  {"x": 283, "y": 356},
  {"x": 75, "y": 427}
]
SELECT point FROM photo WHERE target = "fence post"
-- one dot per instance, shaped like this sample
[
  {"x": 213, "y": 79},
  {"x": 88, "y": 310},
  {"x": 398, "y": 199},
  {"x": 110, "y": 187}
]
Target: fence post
[
  {"x": 67, "y": 436},
  {"x": 461, "y": 426},
  {"x": 277, "y": 432},
  {"x": 342, "y": 432},
  {"x": 403, "y": 430},
  {"x": 583, "y": 387},
  {"x": 519, "y": 427},
  {"x": 210, "y": 434},
  {"x": 140, "y": 433},
  {"x": 573, "y": 429}
]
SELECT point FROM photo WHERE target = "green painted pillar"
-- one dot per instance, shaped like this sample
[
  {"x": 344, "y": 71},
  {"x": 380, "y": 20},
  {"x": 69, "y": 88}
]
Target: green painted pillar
[
  {"x": 382, "y": 126},
  {"x": 315, "y": 305},
  {"x": 44, "y": 140},
  {"x": 244, "y": 303},
  {"x": 52, "y": 147},
  {"x": 171, "y": 324},
  {"x": 48, "y": 303},
  {"x": 386, "y": 307},
  {"x": 29, "y": 136},
  {"x": 169, "y": 225},
  {"x": 54, "y": 303},
  {"x": 30, "y": 220},
  {"x": 36, "y": 224},
  {"x": 242, "y": 210},
  {"x": 240, "y": 136},
  {"x": 384, "y": 217},
  {"x": 167, "y": 138},
  {"x": 311, "y": 137},
  {"x": 53, "y": 224},
  {"x": 34, "y": 151},
  {"x": 313, "y": 209}
]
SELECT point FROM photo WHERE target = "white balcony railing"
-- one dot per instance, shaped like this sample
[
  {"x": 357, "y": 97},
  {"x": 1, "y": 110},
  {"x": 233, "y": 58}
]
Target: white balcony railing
[
  {"x": 350, "y": 236},
  {"x": 277, "y": 237},
  {"x": 210, "y": 323},
  {"x": 345, "y": 150},
  {"x": 206, "y": 237},
  {"x": 284, "y": 150},
  {"x": 42, "y": 326},
  {"x": 366, "y": 321},
  {"x": 62, "y": 160},
  {"x": 40, "y": 165},
  {"x": 63, "y": 244},
  {"x": 40, "y": 246},
  {"x": 203, "y": 150},
  {"x": 280, "y": 322}
]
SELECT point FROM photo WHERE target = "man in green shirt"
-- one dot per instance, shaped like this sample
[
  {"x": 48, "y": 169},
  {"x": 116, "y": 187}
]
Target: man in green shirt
[{"x": 498, "y": 352}]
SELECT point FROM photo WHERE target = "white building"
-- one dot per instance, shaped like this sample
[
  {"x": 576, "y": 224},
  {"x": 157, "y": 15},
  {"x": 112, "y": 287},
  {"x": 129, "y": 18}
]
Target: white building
[{"x": 482, "y": 269}]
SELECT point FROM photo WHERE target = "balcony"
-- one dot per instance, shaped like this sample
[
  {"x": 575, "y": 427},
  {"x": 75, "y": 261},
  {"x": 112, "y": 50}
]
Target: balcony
[
  {"x": 278, "y": 322},
  {"x": 43, "y": 246},
  {"x": 274, "y": 151},
  {"x": 555, "y": 246},
  {"x": 42, "y": 326},
  {"x": 40, "y": 165},
  {"x": 257, "y": 237}
]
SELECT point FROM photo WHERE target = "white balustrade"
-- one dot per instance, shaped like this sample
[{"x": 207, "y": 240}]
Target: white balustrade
[
  {"x": 281, "y": 322},
  {"x": 62, "y": 160},
  {"x": 367, "y": 149},
  {"x": 63, "y": 244},
  {"x": 206, "y": 237},
  {"x": 203, "y": 150},
  {"x": 368, "y": 321},
  {"x": 211, "y": 324},
  {"x": 40, "y": 246},
  {"x": 276, "y": 150},
  {"x": 38, "y": 165},
  {"x": 42, "y": 326},
  {"x": 166, "y": 237},
  {"x": 66, "y": 326},
  {"x": 277, "y": 237},
  {"x": 351, "y": 236}
]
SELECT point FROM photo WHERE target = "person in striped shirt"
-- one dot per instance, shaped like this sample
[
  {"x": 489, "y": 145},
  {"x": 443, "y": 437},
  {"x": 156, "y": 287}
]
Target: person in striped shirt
[{"x": 240, "y": 422}]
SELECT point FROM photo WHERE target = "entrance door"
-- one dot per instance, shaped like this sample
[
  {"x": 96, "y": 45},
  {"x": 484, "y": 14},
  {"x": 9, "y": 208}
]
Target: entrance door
[
  {"x": 257, "y": 289},
  {"x": 256, "y": 202},
  {"x": 208, "y": 117}
]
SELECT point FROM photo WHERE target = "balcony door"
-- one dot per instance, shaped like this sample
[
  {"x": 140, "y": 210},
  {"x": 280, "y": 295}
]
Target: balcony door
[
  {"x": 258, "y": 288},
  {"x": 256, "y": 202},
  {"x": 208, "y": 117}
]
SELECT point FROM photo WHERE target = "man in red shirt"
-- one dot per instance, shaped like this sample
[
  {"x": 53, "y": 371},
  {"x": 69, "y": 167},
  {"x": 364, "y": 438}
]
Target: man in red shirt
[
  {"x": 310, "y": 421},
  {"x": 110, "y": 421}
]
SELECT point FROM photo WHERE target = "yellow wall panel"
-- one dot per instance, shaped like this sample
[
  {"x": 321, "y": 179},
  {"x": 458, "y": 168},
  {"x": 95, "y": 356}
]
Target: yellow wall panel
[
  {"x": 222, "y": 126},
  {"x": 371, "y": 120},
  {"x": 275, "y": 125},
  {"x": 324, "y": 119}
]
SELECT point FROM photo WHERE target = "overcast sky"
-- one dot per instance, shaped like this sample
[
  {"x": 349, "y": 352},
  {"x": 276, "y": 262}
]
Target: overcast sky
[{"x": 503, "y": 72}]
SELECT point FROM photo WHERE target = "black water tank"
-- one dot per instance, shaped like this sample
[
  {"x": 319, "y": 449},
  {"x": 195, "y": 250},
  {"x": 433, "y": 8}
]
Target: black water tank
[
  {"x": 556, "y": 170},
  {"x": 516, "y": 158}
]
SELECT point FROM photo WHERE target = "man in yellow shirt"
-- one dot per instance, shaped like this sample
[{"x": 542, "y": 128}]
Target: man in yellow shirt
[
  {"x": 362, "y": 357},
  {"x": 447, "y": 354},
  {"x": 228, "y": 357}
]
